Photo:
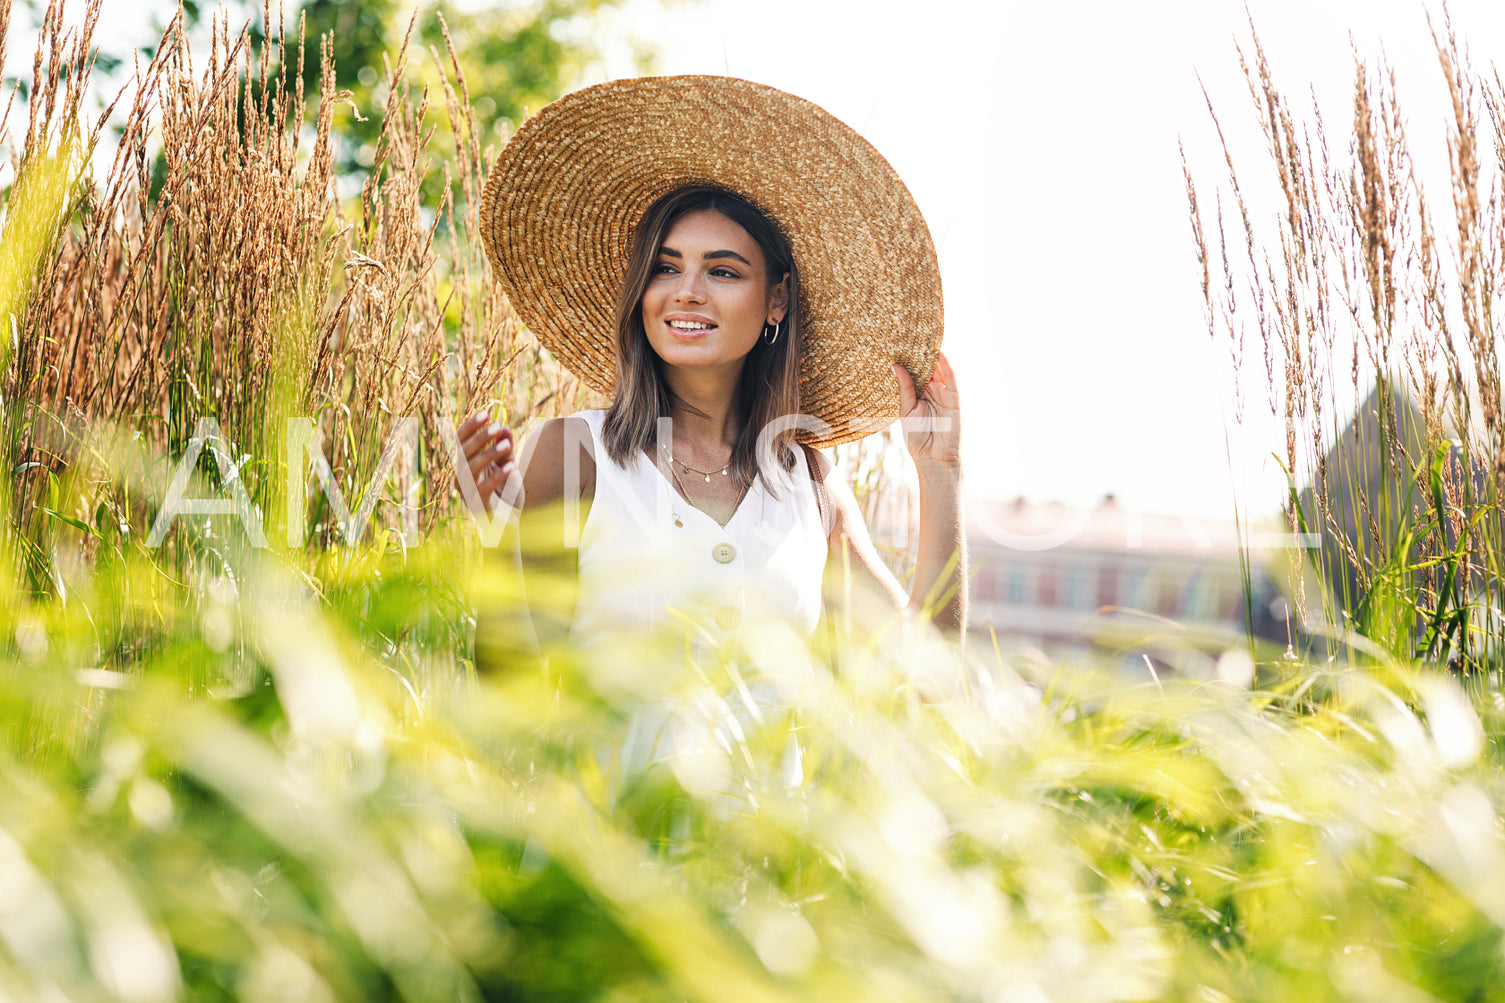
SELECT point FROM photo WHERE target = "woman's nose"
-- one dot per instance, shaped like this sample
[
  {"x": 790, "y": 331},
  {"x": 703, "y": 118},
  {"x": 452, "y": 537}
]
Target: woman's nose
[{"x": 691, "y": 286}]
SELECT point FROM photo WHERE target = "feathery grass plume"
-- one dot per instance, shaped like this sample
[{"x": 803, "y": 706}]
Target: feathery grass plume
[
  {"x": 1405, "y": 493},
  {"x": 216, "y": 272}
]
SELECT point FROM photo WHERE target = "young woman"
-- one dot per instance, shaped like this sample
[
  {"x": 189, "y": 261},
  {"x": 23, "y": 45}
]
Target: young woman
[{"x": 760, "y": 305}]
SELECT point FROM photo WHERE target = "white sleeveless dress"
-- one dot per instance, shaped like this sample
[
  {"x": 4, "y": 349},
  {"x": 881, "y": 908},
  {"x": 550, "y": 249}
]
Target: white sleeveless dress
[
  {"x": 642, "y": 572},
  {"x": 746, "y": 595}
]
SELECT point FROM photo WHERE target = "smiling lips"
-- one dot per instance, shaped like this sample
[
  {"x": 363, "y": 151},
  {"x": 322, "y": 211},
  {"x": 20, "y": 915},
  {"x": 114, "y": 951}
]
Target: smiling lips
[{"x": 690, "y": 327}]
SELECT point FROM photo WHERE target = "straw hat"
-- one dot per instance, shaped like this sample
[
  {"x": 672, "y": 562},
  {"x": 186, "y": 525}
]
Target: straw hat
[{"x": 564, "y": 197}]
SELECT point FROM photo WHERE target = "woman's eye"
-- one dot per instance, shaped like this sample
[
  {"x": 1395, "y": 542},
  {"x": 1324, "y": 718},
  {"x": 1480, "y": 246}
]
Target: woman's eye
[
  {"x": 724, "y": 273},
  {"x": 663, "y": 269}
]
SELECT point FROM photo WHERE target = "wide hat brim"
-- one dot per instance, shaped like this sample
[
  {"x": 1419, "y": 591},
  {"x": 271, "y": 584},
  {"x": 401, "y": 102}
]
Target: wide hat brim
[{"x": 564, "y": 197}]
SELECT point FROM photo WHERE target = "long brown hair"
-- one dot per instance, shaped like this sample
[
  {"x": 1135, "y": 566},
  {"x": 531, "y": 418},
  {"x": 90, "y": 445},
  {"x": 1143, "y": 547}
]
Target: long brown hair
[{"x": 768, "y": 388}]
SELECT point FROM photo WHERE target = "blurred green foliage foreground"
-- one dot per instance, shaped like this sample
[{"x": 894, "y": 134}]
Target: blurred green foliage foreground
[{"x": 292, "y": 787}]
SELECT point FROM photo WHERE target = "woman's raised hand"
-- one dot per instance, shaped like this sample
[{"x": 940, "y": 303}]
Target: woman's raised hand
[
  {"x": 935, "y": 445},
  {"x": 488, "y": 452}
]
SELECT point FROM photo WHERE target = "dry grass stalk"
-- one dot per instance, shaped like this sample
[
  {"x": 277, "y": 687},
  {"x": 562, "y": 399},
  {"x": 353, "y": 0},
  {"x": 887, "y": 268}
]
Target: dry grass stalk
[
  {"x": 227, "y": 279},
  {"x": 1362, "y": 277}
]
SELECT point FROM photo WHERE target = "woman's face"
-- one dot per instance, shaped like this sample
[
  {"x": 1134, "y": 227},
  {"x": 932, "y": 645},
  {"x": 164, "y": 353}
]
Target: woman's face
[{"x": 709, "y": 295}]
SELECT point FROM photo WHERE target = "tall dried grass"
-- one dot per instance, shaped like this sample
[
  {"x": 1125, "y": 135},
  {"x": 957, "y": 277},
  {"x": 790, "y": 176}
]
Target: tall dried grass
[
  {"x": 214, "y": 271},
  {"x": 1360, "y": 279}
]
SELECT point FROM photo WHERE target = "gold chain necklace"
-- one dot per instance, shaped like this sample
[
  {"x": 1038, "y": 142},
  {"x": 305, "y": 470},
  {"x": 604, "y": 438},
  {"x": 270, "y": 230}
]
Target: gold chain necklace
[
  {"x": 704, "y": 473},
  {"x": 686, "y": 495}
]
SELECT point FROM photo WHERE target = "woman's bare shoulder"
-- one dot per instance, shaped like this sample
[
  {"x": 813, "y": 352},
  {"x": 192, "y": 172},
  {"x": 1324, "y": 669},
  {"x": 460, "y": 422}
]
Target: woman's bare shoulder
[{"x": 558, "y": 459}]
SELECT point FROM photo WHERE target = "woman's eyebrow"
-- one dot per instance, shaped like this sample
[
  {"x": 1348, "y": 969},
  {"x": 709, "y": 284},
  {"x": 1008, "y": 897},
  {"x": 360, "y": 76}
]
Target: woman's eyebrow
[{"x": 670, "y": 252}]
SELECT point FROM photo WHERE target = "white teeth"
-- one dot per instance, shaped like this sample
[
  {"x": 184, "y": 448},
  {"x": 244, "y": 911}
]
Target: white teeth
[{"x": 689, "y": 325}]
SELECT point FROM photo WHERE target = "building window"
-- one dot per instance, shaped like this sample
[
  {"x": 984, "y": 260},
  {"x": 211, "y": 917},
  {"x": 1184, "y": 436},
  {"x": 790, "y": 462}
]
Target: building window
[
  {"x": 1172, "y": 591},
  {"x": 1199, "y": 598},
  {"x": 1049, "y": 587},
  {"x": 988, "y": 584},
  {"x": 1017, "y": 590},
  {"x": 1079, "y": 588},
  {"x": 1108, "y": 585}
]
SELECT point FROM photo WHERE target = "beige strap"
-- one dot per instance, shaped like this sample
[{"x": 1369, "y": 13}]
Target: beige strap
[{"x": 821, "y": 503}]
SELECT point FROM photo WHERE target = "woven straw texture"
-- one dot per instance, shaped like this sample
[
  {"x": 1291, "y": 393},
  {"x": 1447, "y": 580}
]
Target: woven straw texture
[{"x": 562, "y": 200}]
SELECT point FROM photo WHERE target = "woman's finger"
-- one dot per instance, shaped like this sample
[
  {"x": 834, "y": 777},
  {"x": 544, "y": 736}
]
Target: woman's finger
[
  {"x": 487, "y": 483},
  {"x": 472, "y": 434},
  {"x": 500, "y": 453},
  {"x": 490, "y": 457},
  {"x": 906, "y": 389},
  {"x": 943, "y": 367},
  {"x": 940, "y": 391},
  {"x": 495, "y": 478},
  {"x": 484, "y": 437},
  {"x": 470, "y": 426}
]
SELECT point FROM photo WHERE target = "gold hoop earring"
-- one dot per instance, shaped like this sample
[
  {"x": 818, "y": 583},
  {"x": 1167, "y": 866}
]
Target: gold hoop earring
[{"x": 766, "y": 339}]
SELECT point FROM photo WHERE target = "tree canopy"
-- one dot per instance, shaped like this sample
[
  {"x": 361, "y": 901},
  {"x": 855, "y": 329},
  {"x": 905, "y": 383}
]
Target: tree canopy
[{"x": 514, "y": 56}]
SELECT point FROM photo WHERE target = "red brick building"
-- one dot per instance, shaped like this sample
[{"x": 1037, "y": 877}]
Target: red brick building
[{"x": 1064, "y": 579}]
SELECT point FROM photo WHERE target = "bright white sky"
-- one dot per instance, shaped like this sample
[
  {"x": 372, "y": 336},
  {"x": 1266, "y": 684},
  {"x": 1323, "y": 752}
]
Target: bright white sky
[{"x": 1040, "y": 140}]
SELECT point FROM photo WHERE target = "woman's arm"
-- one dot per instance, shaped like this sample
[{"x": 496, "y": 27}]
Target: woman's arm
[
  {"x": 941, "y": 563},
  {"x": 549, "y": 522},
  {"x": 539, "y": 542},
  {"x": 933, "y": 435}
]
